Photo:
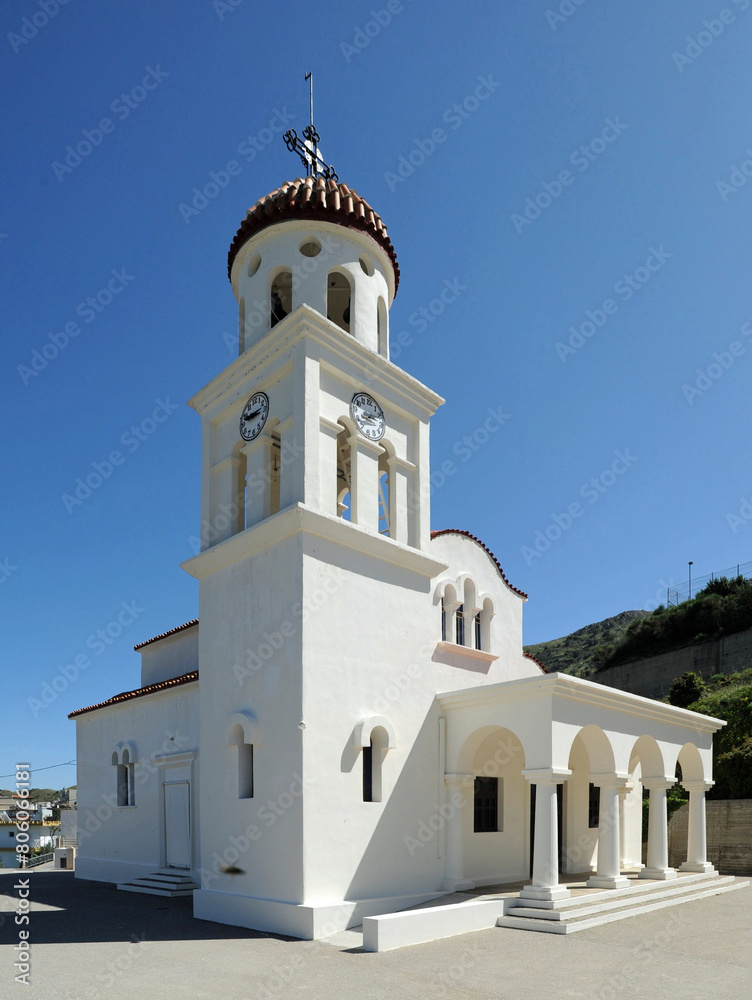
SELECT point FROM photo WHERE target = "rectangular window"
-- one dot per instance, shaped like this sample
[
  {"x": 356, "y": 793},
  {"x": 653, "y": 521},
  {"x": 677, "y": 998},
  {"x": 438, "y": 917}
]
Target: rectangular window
[
  {"x": 443, "y": 621},
  {"x": 594, "y": 806},
  {"x": 459, "y": 626},
  {"x": 478, "y": 633},
  {"x": 368, "y": 773},
  {"x": 486, "y": 818}
]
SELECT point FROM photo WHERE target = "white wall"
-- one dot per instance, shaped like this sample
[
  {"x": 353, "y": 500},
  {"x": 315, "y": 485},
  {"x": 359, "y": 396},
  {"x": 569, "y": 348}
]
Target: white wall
[{"x": 169, "y": 657}]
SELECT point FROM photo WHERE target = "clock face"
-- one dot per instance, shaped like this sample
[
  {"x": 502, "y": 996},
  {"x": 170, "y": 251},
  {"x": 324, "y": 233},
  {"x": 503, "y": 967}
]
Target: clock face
[
  {"x": 254, "y": 415},
  {"x": 368, "y": 416}
]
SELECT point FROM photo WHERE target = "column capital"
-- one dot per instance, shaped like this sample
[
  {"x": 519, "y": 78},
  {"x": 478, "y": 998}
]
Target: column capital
[
  {"x": 697, "y": 786},
  {"x": 609, "y": 780},
  {"x": 546, "y": 775},
  {"x": 659, "y": 784}
]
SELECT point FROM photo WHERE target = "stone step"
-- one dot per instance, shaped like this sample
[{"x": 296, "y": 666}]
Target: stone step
[
  {"x": 587, "y": 907},
  {"x": 569, "y": 923},
  {"x": 638, "y": 888},
  {"x": 161, "y": 883}
]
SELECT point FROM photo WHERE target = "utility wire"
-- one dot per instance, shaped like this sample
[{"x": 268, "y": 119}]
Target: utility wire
[{"x": 35, "y": 769}]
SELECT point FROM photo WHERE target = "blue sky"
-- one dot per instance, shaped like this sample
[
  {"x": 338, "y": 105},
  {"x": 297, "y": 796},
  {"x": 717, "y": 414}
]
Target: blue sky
[{"x": 610, "y": 325}]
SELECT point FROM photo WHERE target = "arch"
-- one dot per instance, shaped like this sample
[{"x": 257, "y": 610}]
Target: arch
[
  {"x": 339, "y": 299},
  {"x": 242, "y": 725},
  {"x": 647, "y": 753},
  {"x": 364, "y": 731},
  {"x": 483, "y": 619},
  {"x": 280, "y": 296},
  {"x": 124, "y": 760},
  {"x": 598, "y": 748},
  {"x": 511, "y": 749},
  {"x": 115, "y": 757},
  {"x": 386, "y": 523},
  {"x": 690, "y": 762},
  {"x": 382, "y": 327}
]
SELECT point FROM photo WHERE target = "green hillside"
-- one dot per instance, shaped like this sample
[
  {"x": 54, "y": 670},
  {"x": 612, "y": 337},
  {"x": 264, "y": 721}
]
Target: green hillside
[{"x": 584, "y": 651}]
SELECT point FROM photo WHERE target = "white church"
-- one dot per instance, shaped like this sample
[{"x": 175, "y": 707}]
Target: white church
[{"x": 352, "y": 728}]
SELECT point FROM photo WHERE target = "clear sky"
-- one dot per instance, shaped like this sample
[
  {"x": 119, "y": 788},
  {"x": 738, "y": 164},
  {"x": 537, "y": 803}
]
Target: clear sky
[{"x": 585, "y": 208}]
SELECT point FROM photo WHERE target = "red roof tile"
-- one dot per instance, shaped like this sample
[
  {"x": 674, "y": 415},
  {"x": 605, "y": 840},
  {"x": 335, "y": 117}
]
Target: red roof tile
[
  {"x": 316, "y": 199},
  {"x": 529, "y": 656},
  {"x": 162, "y": 635},
  {"x": 139, "y": 692},
  {"x": 459, "y": 531}
]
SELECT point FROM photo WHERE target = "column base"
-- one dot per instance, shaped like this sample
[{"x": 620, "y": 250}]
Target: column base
[
  {"x": 608, "y": 882},
  {"x": 545, "y": 892},
  {"x": 697, "y": 866},
  {"x": 457, "y": 884},
  {"x": 660, "y": 874}
]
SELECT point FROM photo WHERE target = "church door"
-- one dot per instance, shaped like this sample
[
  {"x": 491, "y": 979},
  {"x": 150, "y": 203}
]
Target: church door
[{"x": 177, "y": 814}]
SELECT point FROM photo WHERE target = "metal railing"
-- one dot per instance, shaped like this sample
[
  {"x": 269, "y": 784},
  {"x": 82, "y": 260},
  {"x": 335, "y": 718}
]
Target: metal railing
[
  {"x": 675, "y": 595},
  {"x": 38, "y": 859}
]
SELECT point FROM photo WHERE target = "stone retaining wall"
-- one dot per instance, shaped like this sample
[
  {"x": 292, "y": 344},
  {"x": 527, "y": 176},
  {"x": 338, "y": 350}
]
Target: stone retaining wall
[{"x": 729, "y": 827}]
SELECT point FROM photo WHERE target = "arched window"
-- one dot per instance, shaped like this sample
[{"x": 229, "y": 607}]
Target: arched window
[
  {"x": 478, "y": 636},
  {"x": 339, "y": 300},
  {"x": 241, "y": 327},
  {"x": 385, "y": 495},
  {"x": 459, "y": 625},
  {"x": 280, "y": 297},
  {"x": 241, "y": 736},
  {"x": 382, "y": 328},
  {"x": 344, "y": 473},
  {"x": 443, "y": 620},
  {"x": 374, "y": 736},
  {"x": 123, "y": 760}
]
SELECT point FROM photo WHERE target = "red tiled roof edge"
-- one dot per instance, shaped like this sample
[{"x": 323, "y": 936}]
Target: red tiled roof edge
[
  {"x": 529, "y": 656},
  {"x": 502, "y": 574},
  {"x": 318, "y": 200},
  {"x": 163, "y": 635},
  {"x": 139, "y": 692}
]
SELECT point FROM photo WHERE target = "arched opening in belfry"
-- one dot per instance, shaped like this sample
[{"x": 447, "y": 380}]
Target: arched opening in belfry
[
  {"x": 339, "y": 300},
  {"x": 280, "y": 297},
  {"x": 344, "y": 475}
]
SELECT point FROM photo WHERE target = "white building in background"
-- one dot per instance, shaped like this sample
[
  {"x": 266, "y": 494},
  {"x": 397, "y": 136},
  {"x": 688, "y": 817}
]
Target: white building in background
[{"x": 354, "y": 726}]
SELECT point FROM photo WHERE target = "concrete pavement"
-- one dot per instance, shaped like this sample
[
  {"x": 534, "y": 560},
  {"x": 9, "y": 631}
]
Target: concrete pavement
[{"x": 89, "y": 941}]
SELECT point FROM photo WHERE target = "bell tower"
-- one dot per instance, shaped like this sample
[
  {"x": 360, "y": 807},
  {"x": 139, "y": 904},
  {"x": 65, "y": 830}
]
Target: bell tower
[{"x": 314, "y": 509}]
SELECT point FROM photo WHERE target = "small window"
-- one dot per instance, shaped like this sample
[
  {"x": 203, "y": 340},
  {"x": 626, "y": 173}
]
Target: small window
[
  {"x": 367, "y": 266},
  {"x": 459, "y": 626},
  {"x": 486, "y": 819},
  {"x": 311, "y": 248},
  {"x": 368, "y": 773},
  {"x": 478, "y": 632},
  {"x": 443, "y": 620},
  {"x": 122, "y": 785},
  {"x": 253, "y": 265},
  {"x": 594, "y": 806}
]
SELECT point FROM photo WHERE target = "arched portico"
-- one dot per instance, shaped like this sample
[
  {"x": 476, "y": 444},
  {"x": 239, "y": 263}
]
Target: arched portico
[{"x": 694, "y": 781}]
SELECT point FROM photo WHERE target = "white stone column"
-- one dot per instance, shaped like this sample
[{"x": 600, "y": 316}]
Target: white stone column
[
  {"x": 459, "y": 789},
  {"x": 608, "y": 874},
  {"x": 258, "y": 479},
  {"x": 545, "y": 883},
  {"x": 625, "y": 861},
  {"x": 225, "y": 509},
  {"x": 697, "y": 856},
  {"x": 657, "y": 866},
  {"x": 364, "y": 482}
]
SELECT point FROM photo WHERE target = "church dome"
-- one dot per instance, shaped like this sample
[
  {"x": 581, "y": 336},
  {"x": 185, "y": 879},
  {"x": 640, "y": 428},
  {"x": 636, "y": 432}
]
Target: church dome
[{"x": 313, "y": 198}]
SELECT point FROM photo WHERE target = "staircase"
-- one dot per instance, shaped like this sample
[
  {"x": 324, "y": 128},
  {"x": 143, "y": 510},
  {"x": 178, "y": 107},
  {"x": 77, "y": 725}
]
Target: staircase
[
  {"x": 592, "y": 907},
  {"x": 163, "y": 882}
]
